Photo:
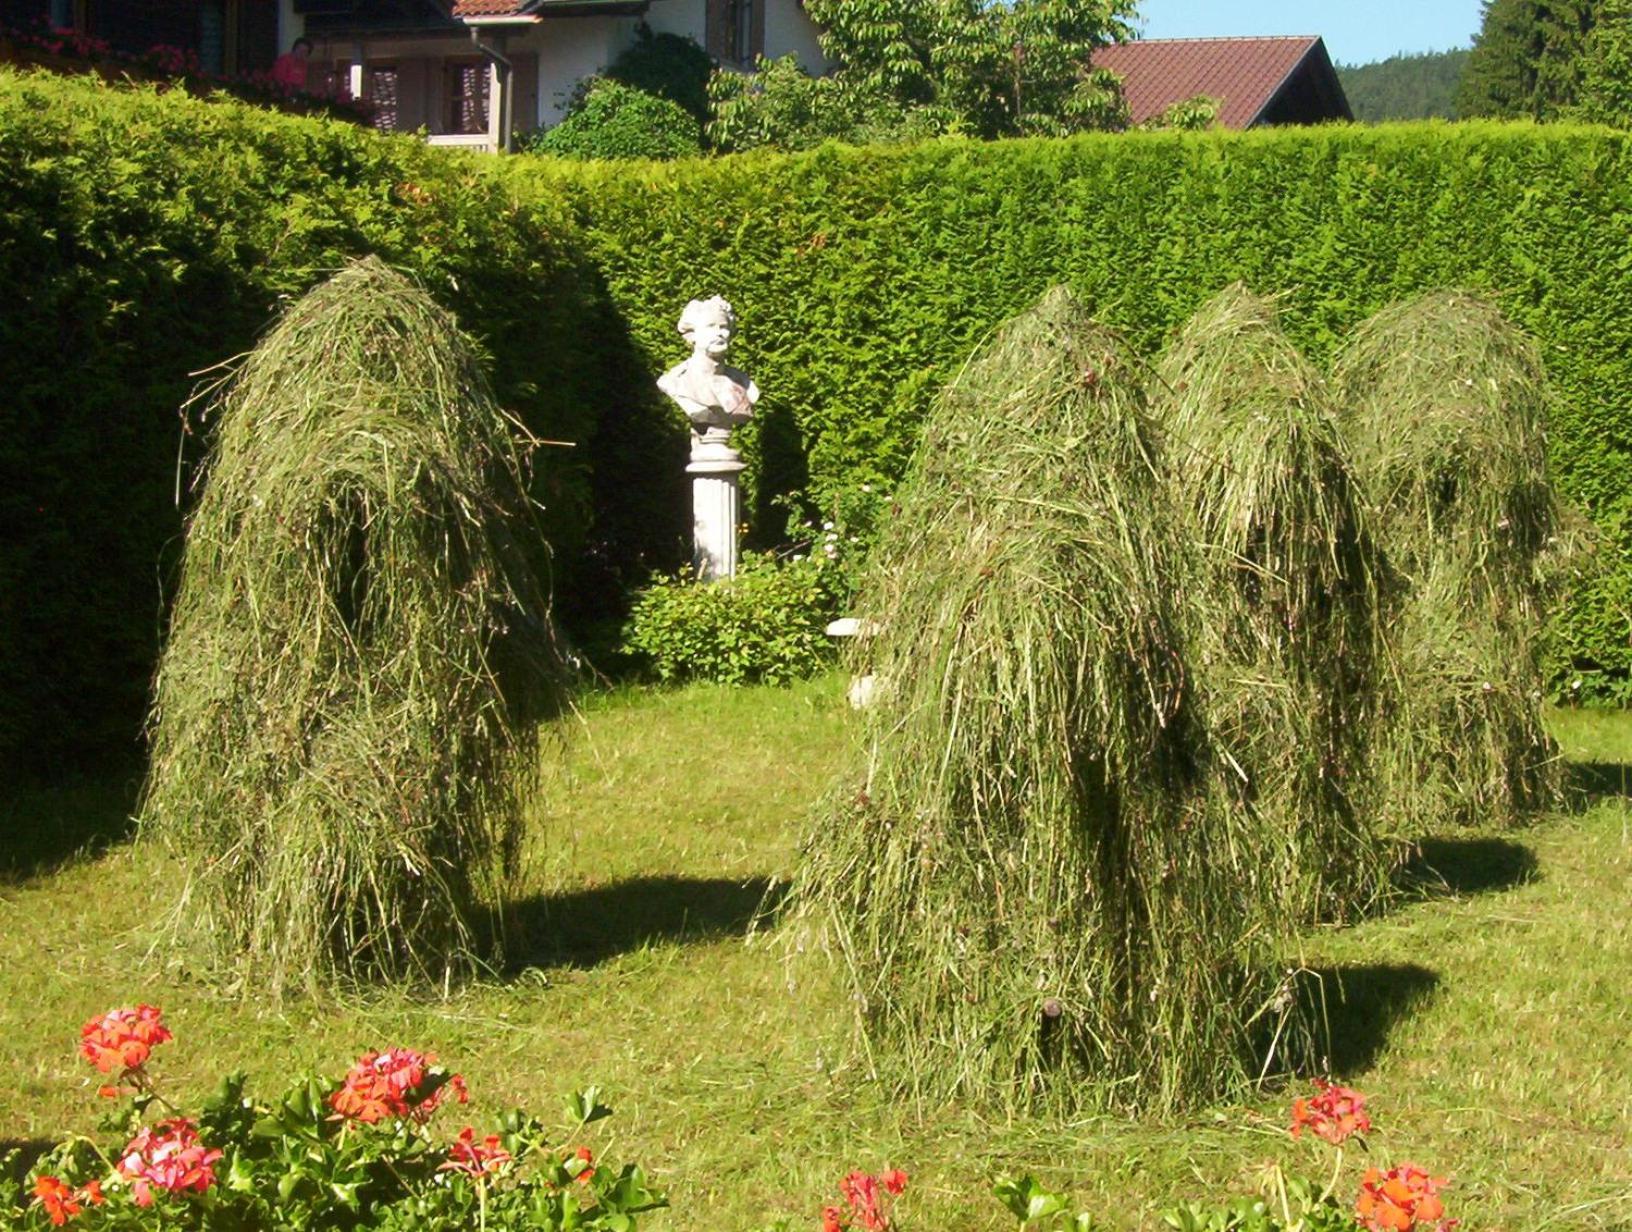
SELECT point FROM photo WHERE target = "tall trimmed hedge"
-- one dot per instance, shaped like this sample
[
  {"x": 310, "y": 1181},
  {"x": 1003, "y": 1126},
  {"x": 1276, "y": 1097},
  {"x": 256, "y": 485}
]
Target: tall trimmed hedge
[
  {"x": 146, "y": 237},
  {"x": 863, "y": 277}
]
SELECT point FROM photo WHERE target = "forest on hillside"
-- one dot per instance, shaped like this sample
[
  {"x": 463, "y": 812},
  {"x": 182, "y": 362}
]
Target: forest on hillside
[{"x": 1405, "y": 87}]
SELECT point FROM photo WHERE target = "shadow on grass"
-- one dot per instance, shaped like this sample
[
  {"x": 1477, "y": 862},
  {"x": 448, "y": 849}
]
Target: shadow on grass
[
  {"x": 28, "y": 1151},
  {"x": 1475, "y": 865},
  {"x": 1362, "y": 1005},
  {"x": 1587, "y": 783},
  {"x": 43, "y": 826},
  {"x": 586, "y": 927}
]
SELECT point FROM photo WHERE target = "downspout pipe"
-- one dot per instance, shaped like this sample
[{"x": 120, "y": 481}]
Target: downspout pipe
[{"x": 507, "y": 74}]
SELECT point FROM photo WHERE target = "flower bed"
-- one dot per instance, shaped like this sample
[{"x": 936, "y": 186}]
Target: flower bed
[{"x": 360, "y": 1152}]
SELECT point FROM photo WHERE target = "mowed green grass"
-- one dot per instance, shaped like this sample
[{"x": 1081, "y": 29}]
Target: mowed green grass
[{"x": 1489, "y": 1016}]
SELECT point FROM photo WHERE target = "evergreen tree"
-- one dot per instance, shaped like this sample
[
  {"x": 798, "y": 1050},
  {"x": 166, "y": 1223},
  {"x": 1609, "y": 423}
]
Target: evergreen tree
[
  {"x": 1405, "y": 87},
  {"x": 1606, "y": 71},
  {"x": 1527, "y": 58}
]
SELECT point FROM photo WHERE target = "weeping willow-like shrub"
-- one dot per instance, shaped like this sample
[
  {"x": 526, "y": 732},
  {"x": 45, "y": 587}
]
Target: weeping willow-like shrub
[
  {"x": 1285, "y": 608},
  {"x": 1446, "y": 412},
  {"x": 357, "y": 656},
  {"x": 1021, "y": 877}
]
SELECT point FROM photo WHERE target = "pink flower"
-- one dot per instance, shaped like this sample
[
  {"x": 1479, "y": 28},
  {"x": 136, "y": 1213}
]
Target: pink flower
[
  {"x": 123, "y": 1039},
  {"x": 477, "y": 1159},
  {"x": 170, "y": 1156},
  {"x": 1333, "y": 1114},
  {"x": 399, "y": 1084}
]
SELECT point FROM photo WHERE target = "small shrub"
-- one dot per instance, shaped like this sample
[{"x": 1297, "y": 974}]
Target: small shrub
[
  {"x": 618, "y": 121},
  {"x": 669, "y": 66},
  {"x": 766, "y": 624}
]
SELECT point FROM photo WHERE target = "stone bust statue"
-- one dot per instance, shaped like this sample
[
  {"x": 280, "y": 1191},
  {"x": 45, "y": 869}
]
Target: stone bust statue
[{"x": 715, "y": 396}]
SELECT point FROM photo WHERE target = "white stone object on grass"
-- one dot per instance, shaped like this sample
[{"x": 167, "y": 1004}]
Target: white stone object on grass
[
  {"x": 853, "y": 626},
  {"x": 716, "y": 398}
]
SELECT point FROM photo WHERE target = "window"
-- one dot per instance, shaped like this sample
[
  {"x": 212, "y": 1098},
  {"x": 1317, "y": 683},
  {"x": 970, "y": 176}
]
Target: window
[
  {"x": 466, "y": 94},
  {"x": 741, "y": 31},
  {"x": 736, "y": 30},
  {"x": 380, "y": 88}
]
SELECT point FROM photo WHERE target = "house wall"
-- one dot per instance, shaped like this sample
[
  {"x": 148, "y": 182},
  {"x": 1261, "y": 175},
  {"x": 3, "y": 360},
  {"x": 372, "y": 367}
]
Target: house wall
[
  {"x": 291, "y": 25},
  {"x": 568, "y": 49},
  {"x": 550, "y": 56},
  {"x": 683, "y": 17},
  {"x": 787, "y": 28}
]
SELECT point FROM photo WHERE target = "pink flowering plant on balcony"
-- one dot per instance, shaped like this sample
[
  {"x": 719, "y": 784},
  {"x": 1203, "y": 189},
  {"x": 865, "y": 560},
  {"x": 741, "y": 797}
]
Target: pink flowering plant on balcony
[
  {"x": 74, "y": 51},
  {"x": 366, "y": 1150}
]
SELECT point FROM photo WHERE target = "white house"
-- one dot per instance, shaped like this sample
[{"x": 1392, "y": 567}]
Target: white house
[{"x": 476, "y": 72}]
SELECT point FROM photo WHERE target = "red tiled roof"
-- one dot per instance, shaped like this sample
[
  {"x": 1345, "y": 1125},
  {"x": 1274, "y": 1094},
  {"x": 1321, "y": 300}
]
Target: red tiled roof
[
  {"x": 1243, "y": 72},
  {"x": 524, "y": 8},
  {"x": 488, "y": 8}
]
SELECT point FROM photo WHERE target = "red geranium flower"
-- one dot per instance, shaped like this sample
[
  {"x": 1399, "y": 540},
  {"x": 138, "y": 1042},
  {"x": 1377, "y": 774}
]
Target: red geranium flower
[
  {"x": 832, "y": 1219},
  {"x": 399, "y": 1084},
  {"x": 61, "y": 1201},
  {"x": 477, "y": 1159},
  {"x": 1400, "y": 1200},
  {"x": 123, "y": 1039},
  {"x": 580, "y": 1164},
  {"x": 170, "y": 1156},
  {"x": 865, "y": 1195},
  {"x": 1334, "y": 1114}
]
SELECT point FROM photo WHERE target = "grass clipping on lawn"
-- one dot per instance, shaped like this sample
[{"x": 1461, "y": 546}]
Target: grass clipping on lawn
[
  {"x": 1446, "y": 404},
  {"x": 357, "y": 656},
  {"x": 1285, "y": 612},
  {"x": 1020, "y": 879}
]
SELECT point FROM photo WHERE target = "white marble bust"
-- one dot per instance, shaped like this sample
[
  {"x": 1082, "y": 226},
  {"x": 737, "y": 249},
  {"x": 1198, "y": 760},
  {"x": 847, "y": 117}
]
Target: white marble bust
[{"x": 715, "y": 396}]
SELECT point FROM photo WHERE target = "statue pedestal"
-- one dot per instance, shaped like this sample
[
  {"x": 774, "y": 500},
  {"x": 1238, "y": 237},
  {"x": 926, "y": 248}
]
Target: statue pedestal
[{"x": 716, "y": 505}]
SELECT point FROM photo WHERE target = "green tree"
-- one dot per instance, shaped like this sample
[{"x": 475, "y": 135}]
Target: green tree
[
  {"x": 1527, "y": 58},
  {"x": 990, "y": 68},
  {"x": 1606, "y": 71},
  {"x": 1405, "y": 87}
]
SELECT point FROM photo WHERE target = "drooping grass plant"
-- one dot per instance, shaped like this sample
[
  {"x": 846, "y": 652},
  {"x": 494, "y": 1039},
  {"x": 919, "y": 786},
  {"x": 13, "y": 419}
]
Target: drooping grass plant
[
  {"x": 357, "y": 656},
  {"x": 1019, "y": 877},
  {"x": 1285, "y": 609},
  {"x": 1446, "y": 412}
]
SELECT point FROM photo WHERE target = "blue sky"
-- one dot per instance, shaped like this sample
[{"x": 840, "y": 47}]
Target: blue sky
[{"x": 1356, "y": 31}]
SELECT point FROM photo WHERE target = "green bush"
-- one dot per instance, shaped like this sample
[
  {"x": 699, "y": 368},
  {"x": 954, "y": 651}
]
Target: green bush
[
  {"x": 619, "y": 121},
  {"x": 668, "y": 66},
  {"x": 766, "y": 624}
]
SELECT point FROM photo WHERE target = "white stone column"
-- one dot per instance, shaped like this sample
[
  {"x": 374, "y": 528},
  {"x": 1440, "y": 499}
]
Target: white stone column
[{"x": 716, "y": 505}]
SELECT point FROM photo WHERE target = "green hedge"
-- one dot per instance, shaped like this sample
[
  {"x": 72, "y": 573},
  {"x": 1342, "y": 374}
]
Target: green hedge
[
  {"x": 146, "y": 237},
  {"x": 863, "y": 277}
]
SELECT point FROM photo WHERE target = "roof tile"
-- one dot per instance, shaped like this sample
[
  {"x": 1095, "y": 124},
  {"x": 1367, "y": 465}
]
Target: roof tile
[{"x": 1244, "y": 73}]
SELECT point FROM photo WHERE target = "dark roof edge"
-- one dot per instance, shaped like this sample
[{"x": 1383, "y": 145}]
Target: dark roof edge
[{"x": 1315, "y": 42}]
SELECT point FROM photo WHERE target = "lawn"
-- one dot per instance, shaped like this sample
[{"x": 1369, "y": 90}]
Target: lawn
[{"x": 1488, "y": 1014}]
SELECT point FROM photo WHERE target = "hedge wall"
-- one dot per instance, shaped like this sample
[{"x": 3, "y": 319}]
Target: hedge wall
[
  {"x": 147, "y": 237},
  {"x": 864, "y": 276}
]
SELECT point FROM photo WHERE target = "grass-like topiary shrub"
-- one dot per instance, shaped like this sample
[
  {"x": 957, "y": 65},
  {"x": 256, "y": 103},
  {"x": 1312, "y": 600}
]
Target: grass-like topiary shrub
[
  {"x": 1286, "y": 608},
  {"x": 1446, "y": 407},
  {"x": 358, "y": 654},
  {"x": 1021, "y": 874},
  {"x": 614, "y": 120}
]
